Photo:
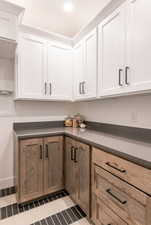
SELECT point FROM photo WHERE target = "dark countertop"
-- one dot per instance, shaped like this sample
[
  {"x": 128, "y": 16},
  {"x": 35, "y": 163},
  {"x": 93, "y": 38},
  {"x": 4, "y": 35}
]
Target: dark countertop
[{"x": 138, "y": 152}]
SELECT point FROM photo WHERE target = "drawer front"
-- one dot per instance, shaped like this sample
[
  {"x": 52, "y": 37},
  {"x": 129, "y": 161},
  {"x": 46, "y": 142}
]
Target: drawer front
[
  {"x": 8, "y": 26},
  {"x": 103, "y": 215},
  {"x": 124, "y": 169},
  {"x": 131, "y": 205}
]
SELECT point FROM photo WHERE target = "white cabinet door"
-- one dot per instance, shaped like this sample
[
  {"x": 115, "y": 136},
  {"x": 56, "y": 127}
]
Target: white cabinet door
[
  {"x": 59, "y": 72},
  {"x": 111, "y": 53},
  {"x": 31, "y": 68},
  {"x": 90, "y": 65},
  {"x": 78, "y": 70},
  {"x": 139, "y": 45}
]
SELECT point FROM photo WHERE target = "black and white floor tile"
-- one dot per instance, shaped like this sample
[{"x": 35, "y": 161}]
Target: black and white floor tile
[
  {"x": 7, "y": 191},
  {"x": 55, "y": 209}
]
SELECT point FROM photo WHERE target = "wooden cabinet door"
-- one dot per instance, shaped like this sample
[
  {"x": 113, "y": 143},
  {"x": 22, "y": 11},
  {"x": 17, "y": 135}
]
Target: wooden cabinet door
[
  {"x": 111, "y": 53},
  {"x": 90, "y": 64},
  {"x": 70, "y": 168},
  {"x": 59, "y": 72},
  {"x": 138, "y": 45},
  {"x": 31, "y": 67},
  {"x": 83, "y": 176},
  {"x": 31, "y": 169},
  {"x": 53, "y": 164}
]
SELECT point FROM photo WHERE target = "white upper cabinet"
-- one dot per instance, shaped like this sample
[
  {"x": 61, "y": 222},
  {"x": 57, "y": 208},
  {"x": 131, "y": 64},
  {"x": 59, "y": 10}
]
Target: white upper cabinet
[
  {"x": 30, "y": 68},
  {"x": 124, "y": 50},
  {"x": 59, "y": 72},
  {"x": 111, "y": 53},
  {"x": 78, "y": 68},
  {"x": 85, "y": 67},
  {"x": 112, "y": 60},
  {"x": 138, "y": 60},
  {"x": 90, "y": 64},
  {"x": 44, "y": 70}
]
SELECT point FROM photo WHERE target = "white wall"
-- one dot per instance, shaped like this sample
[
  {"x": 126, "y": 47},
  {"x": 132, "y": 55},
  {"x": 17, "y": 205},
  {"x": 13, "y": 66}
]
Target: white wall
[
  {"x": 10, "y": 112},
  {"x": 128, "y": 111}
]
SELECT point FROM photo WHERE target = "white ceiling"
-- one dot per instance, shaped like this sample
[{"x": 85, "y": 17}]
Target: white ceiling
[{"x": 49, "y": 14}]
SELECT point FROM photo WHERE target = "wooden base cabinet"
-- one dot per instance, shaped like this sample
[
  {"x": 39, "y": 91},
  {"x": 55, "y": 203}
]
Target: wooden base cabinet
[
  {"x": 77, "y": 173},
  {"x": 103, "y": 215},
  {"x": 115, "y": 201},
  {"x": 40, "y": 167}
]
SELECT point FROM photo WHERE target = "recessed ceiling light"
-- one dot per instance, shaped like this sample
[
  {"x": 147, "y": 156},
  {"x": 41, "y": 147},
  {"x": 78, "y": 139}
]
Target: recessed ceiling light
[{"x": 68, "y": 6}]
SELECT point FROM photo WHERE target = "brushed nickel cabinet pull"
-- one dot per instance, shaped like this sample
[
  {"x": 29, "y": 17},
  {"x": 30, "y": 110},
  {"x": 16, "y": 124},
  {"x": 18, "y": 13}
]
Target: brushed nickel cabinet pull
[
  {"x": 83, "y": 87},
  {"x": 45, "y": 88},
  {"x": 120, "y": 71},
  {"x": 114, "y": 167},
  {"x": 41, "y": 151},
  {"x": 126, "y": 75},
  {"x": 109, "y": 191},
  {"x": 80, "y": 90},
  {"x": 50, "y": 88}
]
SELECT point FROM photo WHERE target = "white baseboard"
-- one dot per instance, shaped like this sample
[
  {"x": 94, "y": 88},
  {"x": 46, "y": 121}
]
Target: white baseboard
[{"x": 6, "y": 182}]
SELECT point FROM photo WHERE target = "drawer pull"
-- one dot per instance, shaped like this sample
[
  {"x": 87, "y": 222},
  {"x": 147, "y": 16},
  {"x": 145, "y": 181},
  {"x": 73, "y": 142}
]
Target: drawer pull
[
  {"x": 120, "y": 170},
  {"x": 109, "y": 191}
]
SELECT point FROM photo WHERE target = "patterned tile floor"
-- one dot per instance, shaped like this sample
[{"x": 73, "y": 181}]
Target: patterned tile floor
[{"x": 60, "y": 211}]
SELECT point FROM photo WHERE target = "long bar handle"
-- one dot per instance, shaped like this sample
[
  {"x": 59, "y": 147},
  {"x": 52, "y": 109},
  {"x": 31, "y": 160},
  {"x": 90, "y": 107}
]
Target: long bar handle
[
  {"x": 47, "y": 154},
  {"x": 45, "y": 88},
  {"x": 72, "y": 153},
  {"x": 109, "y": 191},
  {"x": 41, "y": 152},
  {"x": 126, "y": 75},
  {"x": 75, "y": 155},
  {"x": 80, "y": 88},
  {"x": 50, "y": 88},
  {"x": 83, "y": 87},
  {"x": 114, "y": 167},
  {"x": 119, "y": 73}
]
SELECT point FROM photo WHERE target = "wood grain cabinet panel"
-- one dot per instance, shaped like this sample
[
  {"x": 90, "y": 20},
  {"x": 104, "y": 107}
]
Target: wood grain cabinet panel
[
  {"x": 125, "y": 200},
  {"x": 103, "y": 215},
  {"x": 128, "y": 171},
  {"x": 40, "y": 167},
  {"x": 53, "y": 164},
  {"x": 70, "y": 169},
  {"x": 77, "y": 173},
  {"x": 83, "y": 173},
  {"x": 31, "y": 169}
]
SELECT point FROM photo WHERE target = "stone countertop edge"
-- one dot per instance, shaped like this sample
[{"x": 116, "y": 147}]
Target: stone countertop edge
[{"x": 54, "y": 132}]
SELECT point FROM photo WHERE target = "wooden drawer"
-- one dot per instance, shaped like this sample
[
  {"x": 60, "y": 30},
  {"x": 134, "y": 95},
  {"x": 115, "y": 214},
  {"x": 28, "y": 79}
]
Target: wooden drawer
[
  {"x": 132, "y": 205},
  {"x": 130, "y": 172},
  {"x": 103, "y": 215}
]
